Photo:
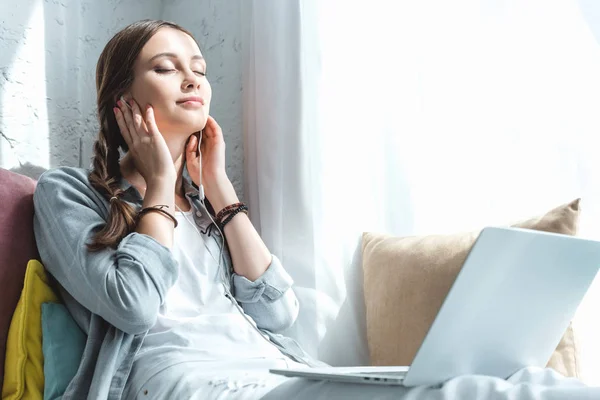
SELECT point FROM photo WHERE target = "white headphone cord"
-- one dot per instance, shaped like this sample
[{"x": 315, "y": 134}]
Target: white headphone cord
[
  {"x": 223, "y": 278},
  {"x": 223, "y": 273}
]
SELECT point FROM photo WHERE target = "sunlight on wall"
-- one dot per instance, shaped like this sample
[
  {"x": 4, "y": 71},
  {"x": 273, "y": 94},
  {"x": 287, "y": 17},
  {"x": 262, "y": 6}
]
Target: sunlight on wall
[{"x": 23, "y": 100}]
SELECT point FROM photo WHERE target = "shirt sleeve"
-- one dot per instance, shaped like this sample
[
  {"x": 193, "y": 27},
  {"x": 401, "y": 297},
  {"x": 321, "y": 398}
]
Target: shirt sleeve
[
  {"x": 269, "y": 300},
  {"x": 126, "y": 285}
]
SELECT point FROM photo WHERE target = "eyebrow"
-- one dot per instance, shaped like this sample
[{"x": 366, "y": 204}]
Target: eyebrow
[{"x": 173, "y": 55}]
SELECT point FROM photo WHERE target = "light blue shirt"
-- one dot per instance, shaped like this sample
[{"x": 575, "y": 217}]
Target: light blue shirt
[{"x": 114, "y": 295}]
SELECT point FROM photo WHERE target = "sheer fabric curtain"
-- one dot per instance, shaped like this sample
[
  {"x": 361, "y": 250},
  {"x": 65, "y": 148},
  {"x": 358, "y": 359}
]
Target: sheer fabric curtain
[{"x": 412, "y": 118}]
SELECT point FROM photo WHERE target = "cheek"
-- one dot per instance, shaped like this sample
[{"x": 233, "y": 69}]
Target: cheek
[
  {"x": 149, "y": 91},
  {"x": 157, "y": 98},
  {"x": 162, "y": 108},
  {"x": 208, "y": 95}
]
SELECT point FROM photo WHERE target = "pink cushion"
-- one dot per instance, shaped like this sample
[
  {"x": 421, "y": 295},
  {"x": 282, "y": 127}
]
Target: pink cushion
[{"x": 17, "y": 246}]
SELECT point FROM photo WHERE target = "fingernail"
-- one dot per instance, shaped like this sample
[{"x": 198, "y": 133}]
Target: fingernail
[
  {"x": 115, "y": 109},
  {"x": 119, "y": 103}
]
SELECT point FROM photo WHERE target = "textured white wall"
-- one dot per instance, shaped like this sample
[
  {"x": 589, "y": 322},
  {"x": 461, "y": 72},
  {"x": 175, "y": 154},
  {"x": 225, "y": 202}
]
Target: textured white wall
[
  {"x": 216, "y": 25},
  {"x": 48, "y": 54}
]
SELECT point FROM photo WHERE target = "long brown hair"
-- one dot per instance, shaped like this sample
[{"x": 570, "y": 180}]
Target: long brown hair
[{"x": 114, "y": 76}]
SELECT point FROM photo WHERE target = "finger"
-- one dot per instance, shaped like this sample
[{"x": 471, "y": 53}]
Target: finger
[
  {"x": 196, "y": 145},
  {"x": 122, "y": 126},
  {"x": 128, "y": 119},
  {"x": 191, "y": 146},
  {"x": 137, "y": 118},
  {"x": 151, "y": 122},
  {"x": 212, "y": 128},
  {"x": 144, "y": 125}
]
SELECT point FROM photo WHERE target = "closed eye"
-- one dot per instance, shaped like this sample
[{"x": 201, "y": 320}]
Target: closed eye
[{"x": 164, "y": 70}]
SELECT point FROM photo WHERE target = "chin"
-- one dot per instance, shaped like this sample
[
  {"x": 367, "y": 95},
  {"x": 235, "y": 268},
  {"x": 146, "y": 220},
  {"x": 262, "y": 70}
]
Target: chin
[
  {"x": 198, "y": 126},
  {"x": 190, "y": 124}
]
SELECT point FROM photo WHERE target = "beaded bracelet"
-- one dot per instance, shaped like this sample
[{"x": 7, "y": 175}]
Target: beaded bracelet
[
  {"x": 227, "y": 210},
  {"x": 242, "y": 208},
  {"x": 158, "y": 209}
]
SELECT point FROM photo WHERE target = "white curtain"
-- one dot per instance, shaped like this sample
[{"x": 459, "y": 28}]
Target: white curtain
[{"x": 411, "y": 118}]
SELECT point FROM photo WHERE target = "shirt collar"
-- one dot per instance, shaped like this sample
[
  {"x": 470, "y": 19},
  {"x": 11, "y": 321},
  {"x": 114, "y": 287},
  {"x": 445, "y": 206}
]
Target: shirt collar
[{"x": 131, "y": 194}]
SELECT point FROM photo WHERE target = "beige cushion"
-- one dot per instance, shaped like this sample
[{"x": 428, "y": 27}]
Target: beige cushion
[{"x": 406, "y": 280}]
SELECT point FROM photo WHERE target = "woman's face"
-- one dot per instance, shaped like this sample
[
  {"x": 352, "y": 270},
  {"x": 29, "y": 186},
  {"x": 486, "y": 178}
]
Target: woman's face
[{"x": 168, "y": 71}]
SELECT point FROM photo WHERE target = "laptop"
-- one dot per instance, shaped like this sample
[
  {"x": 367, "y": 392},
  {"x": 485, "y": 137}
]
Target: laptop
[{"x": 508, "y": 308}]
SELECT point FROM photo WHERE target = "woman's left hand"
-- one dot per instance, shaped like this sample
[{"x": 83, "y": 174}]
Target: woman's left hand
[{"x": 212, "y": 149}]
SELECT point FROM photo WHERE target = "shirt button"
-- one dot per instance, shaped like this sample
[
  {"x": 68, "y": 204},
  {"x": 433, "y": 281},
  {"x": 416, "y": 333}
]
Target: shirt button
[{"x": 198, "y": 214}]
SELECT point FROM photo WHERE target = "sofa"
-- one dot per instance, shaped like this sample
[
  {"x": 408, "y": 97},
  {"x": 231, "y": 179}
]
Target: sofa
[{"x": 17, "y": 246}]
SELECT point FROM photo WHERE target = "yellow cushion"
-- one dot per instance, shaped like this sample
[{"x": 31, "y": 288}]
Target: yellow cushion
[{"x": 24, "y": 363}]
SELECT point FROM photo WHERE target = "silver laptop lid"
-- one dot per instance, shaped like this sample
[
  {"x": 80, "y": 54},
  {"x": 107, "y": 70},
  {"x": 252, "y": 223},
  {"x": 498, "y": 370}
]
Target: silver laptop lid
[{"x": 508, "y": 307}]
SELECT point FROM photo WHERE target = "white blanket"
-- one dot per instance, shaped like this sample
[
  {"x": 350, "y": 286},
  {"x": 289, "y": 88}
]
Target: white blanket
[
  {"x": 195, "y": 382},
  {"x": 527, "y": 384}
]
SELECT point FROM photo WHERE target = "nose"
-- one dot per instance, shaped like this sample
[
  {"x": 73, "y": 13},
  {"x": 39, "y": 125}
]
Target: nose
[{"x": 191, "y": 81}]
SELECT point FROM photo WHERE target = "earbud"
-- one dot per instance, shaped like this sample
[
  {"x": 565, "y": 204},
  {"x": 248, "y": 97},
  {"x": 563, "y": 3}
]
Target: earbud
[{"x": 125, "y": 101}]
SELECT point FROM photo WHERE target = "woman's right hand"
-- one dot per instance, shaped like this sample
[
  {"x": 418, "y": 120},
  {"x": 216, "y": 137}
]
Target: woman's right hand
[{"x": 151, "y": 155}]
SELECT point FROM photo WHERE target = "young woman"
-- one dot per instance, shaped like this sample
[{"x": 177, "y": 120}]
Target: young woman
[{"x": 154, "y": 254}]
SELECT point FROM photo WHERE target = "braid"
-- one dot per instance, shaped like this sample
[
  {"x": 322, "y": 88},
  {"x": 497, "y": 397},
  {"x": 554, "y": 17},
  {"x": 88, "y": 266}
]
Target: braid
[
  {"x": 114, "y": 76},
  {"x": 105, "y": 177}
]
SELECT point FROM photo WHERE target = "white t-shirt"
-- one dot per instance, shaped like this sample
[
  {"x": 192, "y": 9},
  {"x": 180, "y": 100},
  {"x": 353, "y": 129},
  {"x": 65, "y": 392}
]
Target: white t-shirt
[{"x": 196, "y": 321}]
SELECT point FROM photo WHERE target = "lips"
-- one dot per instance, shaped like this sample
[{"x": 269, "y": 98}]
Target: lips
[{"x": 191, "y": 99}]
